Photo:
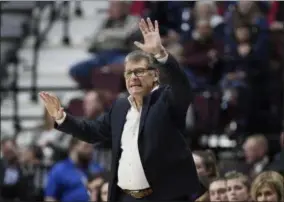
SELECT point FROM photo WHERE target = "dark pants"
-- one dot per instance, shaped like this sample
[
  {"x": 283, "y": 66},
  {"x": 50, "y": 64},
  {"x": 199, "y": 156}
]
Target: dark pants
[{"x": 123, "y": 197}]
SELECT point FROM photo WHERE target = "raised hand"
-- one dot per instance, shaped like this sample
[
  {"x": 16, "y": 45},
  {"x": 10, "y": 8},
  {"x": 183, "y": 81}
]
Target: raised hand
[
  {"x": 52, "y": 105},
  {"x": 152, "y": 39}
]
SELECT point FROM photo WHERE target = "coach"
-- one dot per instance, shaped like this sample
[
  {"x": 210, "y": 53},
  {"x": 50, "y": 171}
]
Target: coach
[{"x": 151, "y": 159}]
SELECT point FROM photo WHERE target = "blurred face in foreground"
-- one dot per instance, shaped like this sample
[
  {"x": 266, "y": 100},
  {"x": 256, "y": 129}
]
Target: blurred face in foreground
[{"x": 217, "y": 191}]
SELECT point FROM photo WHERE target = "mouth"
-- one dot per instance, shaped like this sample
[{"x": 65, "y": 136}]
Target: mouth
[{"x": 135, "y": 85}]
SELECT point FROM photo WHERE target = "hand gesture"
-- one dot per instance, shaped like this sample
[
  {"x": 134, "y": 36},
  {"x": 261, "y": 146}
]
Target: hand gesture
[
  {"x": 152, "y": 39},
  {"x": 52, "y": 105}
]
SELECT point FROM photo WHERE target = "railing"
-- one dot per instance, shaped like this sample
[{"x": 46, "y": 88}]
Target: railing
[{"x": 59, "y": 11}]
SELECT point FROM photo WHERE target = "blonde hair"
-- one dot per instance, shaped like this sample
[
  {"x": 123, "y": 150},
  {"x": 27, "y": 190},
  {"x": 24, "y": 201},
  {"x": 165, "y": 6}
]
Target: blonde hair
[
  {"x": 238, "y": 175},
  {"x": 271, "y": 179}
]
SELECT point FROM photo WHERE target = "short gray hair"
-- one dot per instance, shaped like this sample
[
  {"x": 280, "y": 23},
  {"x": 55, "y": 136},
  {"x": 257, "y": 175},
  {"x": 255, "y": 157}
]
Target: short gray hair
[{"x": 138, "y": 55}]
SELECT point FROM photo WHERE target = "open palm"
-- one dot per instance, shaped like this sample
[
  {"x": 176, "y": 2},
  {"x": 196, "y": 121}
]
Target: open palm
[{"x": 152, "y": 39}]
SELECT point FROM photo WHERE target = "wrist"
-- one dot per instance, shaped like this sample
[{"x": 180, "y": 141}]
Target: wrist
[{"x": 161, "y": 54}]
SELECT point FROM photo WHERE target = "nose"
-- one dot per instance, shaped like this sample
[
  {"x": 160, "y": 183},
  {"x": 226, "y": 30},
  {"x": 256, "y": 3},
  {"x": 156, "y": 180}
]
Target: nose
[{"x": 261, "y": 198}]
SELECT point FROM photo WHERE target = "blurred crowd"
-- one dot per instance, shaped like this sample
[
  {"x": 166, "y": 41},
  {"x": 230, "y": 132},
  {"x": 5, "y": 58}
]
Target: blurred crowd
[{"x": 232, "y": 53}]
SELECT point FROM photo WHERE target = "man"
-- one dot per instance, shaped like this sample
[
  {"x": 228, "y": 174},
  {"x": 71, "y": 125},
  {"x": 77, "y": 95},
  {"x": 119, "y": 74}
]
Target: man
[
  {"x": 151, "y": 160},
  {"x": 218, "y": 190},
  {"x": 68, "y": 179}
]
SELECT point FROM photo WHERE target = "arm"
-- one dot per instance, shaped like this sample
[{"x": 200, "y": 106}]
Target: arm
[
  {"x": 91, "y": 131},
  {"x": 180, "y": 89}
]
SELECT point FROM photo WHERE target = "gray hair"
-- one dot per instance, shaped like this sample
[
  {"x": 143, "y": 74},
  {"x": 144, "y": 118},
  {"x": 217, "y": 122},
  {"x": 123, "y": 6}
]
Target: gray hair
[{"x": 138, "y": 55}]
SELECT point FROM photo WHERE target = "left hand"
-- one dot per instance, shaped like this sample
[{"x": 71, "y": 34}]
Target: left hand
[{"x": 152, "y": 39}]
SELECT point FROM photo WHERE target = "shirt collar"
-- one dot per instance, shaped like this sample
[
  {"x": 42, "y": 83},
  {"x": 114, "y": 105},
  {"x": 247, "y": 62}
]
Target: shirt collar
[{"x": 131, "y": 99}]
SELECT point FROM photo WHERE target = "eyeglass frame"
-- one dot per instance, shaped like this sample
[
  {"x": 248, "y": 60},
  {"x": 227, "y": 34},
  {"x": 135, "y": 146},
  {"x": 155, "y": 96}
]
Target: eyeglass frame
[{"x": 128, "y": 74}]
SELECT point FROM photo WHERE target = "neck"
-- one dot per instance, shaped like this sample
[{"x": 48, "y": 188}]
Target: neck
[
  {"x": 138, "y": 102},
  {"x": 74, "y": 157}
]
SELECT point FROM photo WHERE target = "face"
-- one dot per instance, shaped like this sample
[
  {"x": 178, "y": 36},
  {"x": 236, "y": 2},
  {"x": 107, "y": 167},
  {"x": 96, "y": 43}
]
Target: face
[
  {"x": 104, "y": 192},
  {"x": 116, "y": 9},
  {"x": 9, "y": 150},
  {"x": 84, "y": 151},
  {"x": 244, "y": 6},
  {"x": 266, "y": 193},
  {"x": 242, "y": 34},
  {"x": 200, "y": 167},
  {"x": 236, "y": 190},
  {"x": 92, "y": 104},
  {"x": 218, "y": 191},
  {"x": 94, "y": 188},
  {"x": 142, "y": 83},
  {"x": 203, "y": 11},
  {"x": 204, "y": 30},
  {"x": 250, "y": 151}
]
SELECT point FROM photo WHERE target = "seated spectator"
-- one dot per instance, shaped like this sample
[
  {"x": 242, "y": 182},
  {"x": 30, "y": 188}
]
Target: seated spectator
[
  {"x": 218, "y": 190},
  {"x": 109, "y": 45},
  {"x": 93, "y": 104},
  {"x": 248, "y": 12},
  {"x": 14, "y": 185},
  {"x": 102, "y": 195},
  {"x": 268, "y": 186},
  {"x": 67, "y": 180},
  {"x": 242, "y": 67},
  {"x": 205, "y": 163},
  {"x": 256, "y": 154},
  {"x": 208, "y": 10},
  {"x": 201, "y": 57},
  {"x": 238, "y": 186}
]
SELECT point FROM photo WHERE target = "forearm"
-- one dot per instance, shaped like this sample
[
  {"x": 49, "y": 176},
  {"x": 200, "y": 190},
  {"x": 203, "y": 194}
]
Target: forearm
[{"x": 91, "y": 131}]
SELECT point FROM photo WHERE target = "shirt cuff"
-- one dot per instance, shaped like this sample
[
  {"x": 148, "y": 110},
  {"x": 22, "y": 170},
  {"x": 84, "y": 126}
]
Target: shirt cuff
[
  {"x": 163, "y": 60},
  {"x": 60, "y": 121}
]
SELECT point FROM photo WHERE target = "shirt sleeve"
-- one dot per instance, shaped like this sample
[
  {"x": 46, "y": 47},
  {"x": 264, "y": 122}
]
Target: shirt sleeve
[
  {"x": 60, "y": 121},
  {"x": 52, "y": 186},
  {"x": 163, "y": 60}
]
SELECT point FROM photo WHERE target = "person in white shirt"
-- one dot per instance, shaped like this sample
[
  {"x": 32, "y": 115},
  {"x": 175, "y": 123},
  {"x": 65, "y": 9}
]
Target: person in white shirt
[{"x": 151, "y": 159}]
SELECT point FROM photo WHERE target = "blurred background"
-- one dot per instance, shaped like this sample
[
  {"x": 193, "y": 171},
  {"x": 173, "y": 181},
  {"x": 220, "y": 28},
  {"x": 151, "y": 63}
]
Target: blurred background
[{"x": 231, "y": 51}]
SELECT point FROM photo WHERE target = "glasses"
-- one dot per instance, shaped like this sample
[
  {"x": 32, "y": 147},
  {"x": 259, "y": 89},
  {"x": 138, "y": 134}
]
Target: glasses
[{"x": 137, "y": 72}]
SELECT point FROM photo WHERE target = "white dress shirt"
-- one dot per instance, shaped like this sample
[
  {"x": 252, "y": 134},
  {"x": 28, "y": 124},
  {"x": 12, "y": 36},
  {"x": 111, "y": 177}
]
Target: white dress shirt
[{"x": 131, "y": 175}]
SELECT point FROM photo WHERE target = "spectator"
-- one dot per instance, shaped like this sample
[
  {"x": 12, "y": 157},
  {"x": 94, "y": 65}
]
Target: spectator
[
  {"x": 109, "y": 44},
  {"x": 218, "y": 190},
  {"x": 242, "y": 66},
  {"x": 238, "y": 186},
  {"x": 208, "y": 10},
  {"x": 15, "y": 185},
  {"x": 93, "y": 104},
  {"x": 248, "y": 12},
  {"x": 201, "y": 57},
  {"x": 67, "y": 180},
  {"x": 103, "y": 192},
  {"x": 256, "y": 154},
  {"x": 205, "y": 163},
  {"x": 268, "y": 186}
]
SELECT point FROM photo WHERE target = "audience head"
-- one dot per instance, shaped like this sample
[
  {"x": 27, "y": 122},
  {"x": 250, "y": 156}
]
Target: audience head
[
  {"x": 32, "y": 155},
  {"x": 205, "y": 9},
  {"x": 255, "y": 148},
  {"x": 268, "y": 186},
  {"x": 9, "y": 150},
  {"x": 81, "y": 152},
  {"x": 243, "y": 33},
  {"x": 93, "y": 104},
  {"x": 218, "y": 190},
  {"x": 103, "y": 192},
  {"x": 118, "y": 9},
  {"x": 203, "y": 29},
  {"x": 205, "y": 163},
  {"x": 141, "y": 75},
  {"x": 238, "y": 186}
]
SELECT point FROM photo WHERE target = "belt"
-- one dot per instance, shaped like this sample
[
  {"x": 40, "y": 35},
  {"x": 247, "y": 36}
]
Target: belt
[{"x": 139, "y": 193}]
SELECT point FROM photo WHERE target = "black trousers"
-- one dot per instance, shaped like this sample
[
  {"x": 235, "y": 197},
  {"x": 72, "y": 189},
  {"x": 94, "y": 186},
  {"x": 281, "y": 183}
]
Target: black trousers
[{"x": 123, "y": 197}]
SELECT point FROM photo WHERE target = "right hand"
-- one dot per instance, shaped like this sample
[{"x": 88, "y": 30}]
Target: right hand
[{"x": 52, "y": 105}]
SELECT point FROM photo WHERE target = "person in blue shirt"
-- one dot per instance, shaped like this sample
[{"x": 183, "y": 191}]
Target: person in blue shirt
[{"x": 67, "y": 180}]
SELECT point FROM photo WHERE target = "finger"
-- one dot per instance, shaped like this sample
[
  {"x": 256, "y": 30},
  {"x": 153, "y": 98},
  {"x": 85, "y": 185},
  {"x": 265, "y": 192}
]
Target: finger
[
  {"x": 150, "y": 25},
  {"x": 156, "y": 26},
  {"x": 144, "y": 26},
  {"x": 138, "y": 44}
]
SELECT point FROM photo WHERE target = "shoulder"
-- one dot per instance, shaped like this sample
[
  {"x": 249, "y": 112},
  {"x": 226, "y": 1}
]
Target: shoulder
[{"x": 60, "y": 167}]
